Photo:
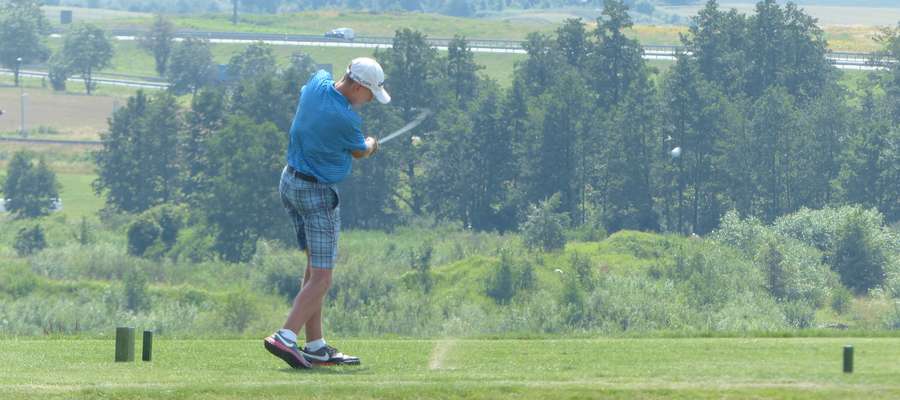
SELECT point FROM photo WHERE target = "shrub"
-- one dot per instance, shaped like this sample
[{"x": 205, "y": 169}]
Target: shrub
[
  {"x": 155, "y": 231},
  {"x": 30, "y": 241},
  {"x": 17, "y": 280},
  {"x": 84, "y": 234},
  {"x": 582, "y": 268},
  {"x": 135, "y": 290},
  {"x": 278, "y": 273},
  {"x": 543, "y": 228},
  {"x": 799, "y": 314},
  {"x": 857, "y": 256},
  {"x": 58, "y": 73},
  {"x": 238, "y": 310},
  {"x": 420, "y": 261},
  {"x": 142, "y": 233},
  {"x": 499, "y": 285},
  {"x": 841, "y": 300}
]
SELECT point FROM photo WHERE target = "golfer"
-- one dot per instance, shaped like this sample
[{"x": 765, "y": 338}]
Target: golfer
[{"x": 325, "y": 134}]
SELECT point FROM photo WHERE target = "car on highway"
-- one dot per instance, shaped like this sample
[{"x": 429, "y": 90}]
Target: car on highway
[{"x": 340, "y": 33}]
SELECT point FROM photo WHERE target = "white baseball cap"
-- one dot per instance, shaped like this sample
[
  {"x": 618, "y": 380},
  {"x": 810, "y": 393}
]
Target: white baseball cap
[{"x": 368, "y": 72}]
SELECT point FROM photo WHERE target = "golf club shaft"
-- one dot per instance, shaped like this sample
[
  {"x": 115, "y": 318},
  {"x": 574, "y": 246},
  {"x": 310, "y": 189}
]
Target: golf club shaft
[{"x": 406, "y": 128}]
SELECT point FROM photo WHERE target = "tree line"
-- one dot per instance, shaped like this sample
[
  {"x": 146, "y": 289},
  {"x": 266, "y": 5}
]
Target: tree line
[{"x": 751, "y": 118}]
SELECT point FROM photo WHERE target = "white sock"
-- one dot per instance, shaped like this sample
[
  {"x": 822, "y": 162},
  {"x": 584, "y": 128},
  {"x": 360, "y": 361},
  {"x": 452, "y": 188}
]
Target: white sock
[
  {"x": 315, "y": 344},
  {"x": 288, "y": 334}
]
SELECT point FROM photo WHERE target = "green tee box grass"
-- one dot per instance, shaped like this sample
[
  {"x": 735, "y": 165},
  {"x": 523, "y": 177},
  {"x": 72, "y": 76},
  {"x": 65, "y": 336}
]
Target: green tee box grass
[{"x": 801, "y": 368}]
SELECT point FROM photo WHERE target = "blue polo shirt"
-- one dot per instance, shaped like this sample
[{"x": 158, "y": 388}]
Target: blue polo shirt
[{"x": 324, "y": 132}]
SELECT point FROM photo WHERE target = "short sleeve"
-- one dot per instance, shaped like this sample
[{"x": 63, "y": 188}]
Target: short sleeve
[{"x": 354, "y": 139}]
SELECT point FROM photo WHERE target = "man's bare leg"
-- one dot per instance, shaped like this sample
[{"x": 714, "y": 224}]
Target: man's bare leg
[
  {"x": 308, "y": 302},
  {"x": 314, "y": 325}
]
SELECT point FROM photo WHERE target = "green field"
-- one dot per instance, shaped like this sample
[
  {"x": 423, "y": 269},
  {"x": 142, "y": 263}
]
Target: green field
[
  {"x": 799, "y": 368},
  {"x": 509, "y": 25}
]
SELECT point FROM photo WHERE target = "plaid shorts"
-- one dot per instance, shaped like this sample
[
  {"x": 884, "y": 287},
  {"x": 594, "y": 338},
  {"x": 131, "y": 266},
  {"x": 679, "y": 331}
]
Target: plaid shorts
[{"x": 314, "y": 211}]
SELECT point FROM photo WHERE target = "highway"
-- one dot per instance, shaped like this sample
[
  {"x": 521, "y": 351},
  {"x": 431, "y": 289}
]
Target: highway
[{"x": 842, "y": 60}]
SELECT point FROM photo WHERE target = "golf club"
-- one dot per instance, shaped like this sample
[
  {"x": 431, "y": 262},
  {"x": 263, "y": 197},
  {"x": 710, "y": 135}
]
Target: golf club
[{"x": 406, "y": 128}]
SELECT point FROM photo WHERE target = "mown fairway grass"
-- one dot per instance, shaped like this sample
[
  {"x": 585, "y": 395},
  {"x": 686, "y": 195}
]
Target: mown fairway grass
[{"x": 802, "y": 368}]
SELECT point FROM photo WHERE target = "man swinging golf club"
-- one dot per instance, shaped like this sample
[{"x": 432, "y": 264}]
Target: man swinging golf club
[{"x": 325, "y": 134}]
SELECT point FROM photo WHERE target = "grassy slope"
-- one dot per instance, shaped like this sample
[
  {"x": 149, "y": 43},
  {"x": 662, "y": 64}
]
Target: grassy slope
[{"x": 481, "y": 369}]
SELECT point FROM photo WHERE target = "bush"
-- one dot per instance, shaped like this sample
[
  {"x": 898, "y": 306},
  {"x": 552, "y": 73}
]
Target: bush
[
  {"x": 142, "y": 234},
  {"x": 84, "y": 233},
  {"x": 155, "y": 231},
  {"x": 135, "y": 290},
  {"x": 30, "y": 241},
  {"x": 238, "y": 310},
  {"x": 794, "y": 269},
  {"x": 508, "y": 278},
  {"x": 420, "y": 261},
  {"x": 58, "y": 73},
  {"x": 799, "y": 314},
  {"x": 841, "y": 300},
  {"x": 278, "y": 273},
  {"x": 499, "y": 285},
  {"x": 857, "y": 256},
  {"x": 544, "y": 226},
  {"x": 17, "y": 280}
]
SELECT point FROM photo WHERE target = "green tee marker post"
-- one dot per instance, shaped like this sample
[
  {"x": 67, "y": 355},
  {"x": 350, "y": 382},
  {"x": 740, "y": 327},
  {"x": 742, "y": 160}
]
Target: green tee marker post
[
  {"x": 848, "y": 359},
  {"x": 147, "y": 349},
  {"x": 124, "y": 344}
]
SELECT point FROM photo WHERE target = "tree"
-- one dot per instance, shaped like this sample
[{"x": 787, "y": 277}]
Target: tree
[
  {"x": 630, "y": 196},
  {"x": 467, "y": 166},
  {"x": 369, "y": 195},
  {"x": 234, "y": 11},
  {"x": 190, "y": 67},
  {"x": 718, "y": 40},
  {"x": 555, "y": 154},
  {"x": 30, "y": 190},
  {"x": 615, "y": 59},
  {"x": 889, "y": 39},
  {"x": 23, "y": 30},
  {"x": 256, "y": 60},
  {"x": 159, "y": 41},
  {"x": 243, "y": 202},
  {"x": 414, "y": 76},
  {"x": 827, "y": 120},
  {"x": 138, "y": 163},
  {"x": 206, "y": 116},
  {"x": 694, "y": 120},
  {"x": 461, "y": 70},
  {"x": 572, "y": 41},
  {"x": 870, "y": 167},
  {"x": 86, "y": 49},
  {"x": 772, "y": 147},
  {"x": 539, "y": 68}
]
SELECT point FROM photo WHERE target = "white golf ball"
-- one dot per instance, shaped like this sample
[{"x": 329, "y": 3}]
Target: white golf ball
[{"x": 676, "y": 152}]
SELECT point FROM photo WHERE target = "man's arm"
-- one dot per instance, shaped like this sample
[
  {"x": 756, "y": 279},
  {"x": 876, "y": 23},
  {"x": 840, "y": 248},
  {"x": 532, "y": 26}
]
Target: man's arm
[{"x": 371, "y": 148}]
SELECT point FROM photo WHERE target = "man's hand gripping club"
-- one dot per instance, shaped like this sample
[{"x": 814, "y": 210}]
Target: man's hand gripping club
[{"x": 371, "y": 148}]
